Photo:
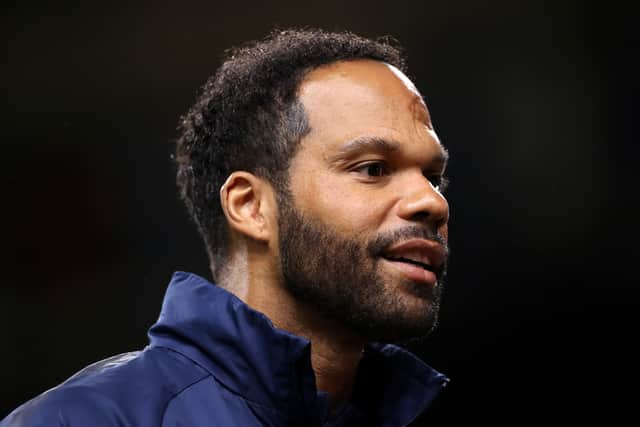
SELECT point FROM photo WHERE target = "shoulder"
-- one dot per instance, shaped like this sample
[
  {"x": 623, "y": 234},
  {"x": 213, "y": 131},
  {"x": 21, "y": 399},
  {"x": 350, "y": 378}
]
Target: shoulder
[
  {"x": 128, "y": 389},
  {"x": 64, "y": 406}
]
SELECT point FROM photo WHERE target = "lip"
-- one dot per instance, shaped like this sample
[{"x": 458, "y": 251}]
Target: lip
[
  {"x": 430, "y": 252},
  {"x": 413, "y": 272},
  {"x": 424, "y": 251}
]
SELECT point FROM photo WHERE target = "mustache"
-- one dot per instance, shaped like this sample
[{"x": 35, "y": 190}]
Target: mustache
[{"x": 386, "y": 239}]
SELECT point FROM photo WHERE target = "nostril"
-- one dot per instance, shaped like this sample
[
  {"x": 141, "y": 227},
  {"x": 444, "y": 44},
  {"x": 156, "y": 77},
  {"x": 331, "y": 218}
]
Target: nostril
[{"x": 421, "y": 216}]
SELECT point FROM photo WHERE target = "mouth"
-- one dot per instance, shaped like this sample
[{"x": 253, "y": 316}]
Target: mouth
[
  {"x": 414, "y": 272},
  {"x": 418, "y": 260},
  {"x": 412, "y": 262}
]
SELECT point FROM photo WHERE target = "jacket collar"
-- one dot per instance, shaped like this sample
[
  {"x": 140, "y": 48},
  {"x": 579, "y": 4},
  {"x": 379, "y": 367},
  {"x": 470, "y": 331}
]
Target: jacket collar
[{"x": 242, "y": 349}]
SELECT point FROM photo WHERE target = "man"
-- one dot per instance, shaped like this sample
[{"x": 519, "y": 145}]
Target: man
[{"x": 314, "y": 175}]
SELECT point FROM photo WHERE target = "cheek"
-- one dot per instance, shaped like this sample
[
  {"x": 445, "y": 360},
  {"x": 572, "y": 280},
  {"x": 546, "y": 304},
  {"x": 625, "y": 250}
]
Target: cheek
[{"x": 347, "y": 210}]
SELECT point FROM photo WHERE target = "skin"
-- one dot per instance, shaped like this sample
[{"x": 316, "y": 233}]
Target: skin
[{"x": 359, "y": 189}]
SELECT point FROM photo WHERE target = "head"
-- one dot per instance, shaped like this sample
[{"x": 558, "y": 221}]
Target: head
[{"x": 332, "y": 127}]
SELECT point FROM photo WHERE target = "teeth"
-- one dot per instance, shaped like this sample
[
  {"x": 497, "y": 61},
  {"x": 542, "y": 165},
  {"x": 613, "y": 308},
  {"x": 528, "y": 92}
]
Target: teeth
[
  {"x": 414, "y": 256},
  {"x": 412, "y": 261}
]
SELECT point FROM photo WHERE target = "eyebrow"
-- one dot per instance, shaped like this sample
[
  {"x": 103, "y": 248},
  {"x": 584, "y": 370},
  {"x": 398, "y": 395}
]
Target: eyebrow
[
  {"x": 377, "y": 144},
  {"x": 366, "y": 144}
]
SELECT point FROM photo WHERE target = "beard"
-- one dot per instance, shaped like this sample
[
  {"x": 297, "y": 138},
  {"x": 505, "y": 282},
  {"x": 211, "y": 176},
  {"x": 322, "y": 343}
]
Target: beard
[{"x": 341, "y": 277}]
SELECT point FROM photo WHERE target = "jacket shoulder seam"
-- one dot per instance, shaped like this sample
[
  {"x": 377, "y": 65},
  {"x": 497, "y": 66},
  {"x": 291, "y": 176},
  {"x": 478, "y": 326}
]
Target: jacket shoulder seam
[
  {"x": 177, "y": 393},
  {"x": 204, "y": 376},
  {"x": 212, "y": 376}
]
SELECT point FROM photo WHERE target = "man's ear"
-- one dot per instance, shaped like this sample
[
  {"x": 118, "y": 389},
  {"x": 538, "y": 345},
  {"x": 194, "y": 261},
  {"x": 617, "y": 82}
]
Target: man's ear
[{"x": 248, "y": 202}]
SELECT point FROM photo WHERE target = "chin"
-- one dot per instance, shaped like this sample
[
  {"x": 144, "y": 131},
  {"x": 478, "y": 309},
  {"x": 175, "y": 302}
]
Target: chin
[
  {"x": 414, "y": 293},
  {"x": 410, "y": 318}
]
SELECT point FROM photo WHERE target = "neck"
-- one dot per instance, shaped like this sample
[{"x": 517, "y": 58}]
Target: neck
[
  {"x": 335, "y": 352},
  {"x": 335, "y": 362}
]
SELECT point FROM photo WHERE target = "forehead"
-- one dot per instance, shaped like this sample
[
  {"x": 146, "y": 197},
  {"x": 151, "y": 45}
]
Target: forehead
[{"x": 351, "y": 99}]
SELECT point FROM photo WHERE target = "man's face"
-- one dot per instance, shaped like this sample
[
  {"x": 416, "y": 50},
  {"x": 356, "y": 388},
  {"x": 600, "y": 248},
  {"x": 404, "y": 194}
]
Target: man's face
[{"x": 363, "y": 231}]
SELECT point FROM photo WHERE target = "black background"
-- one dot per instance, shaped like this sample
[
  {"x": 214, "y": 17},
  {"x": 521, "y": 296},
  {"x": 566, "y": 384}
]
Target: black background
[{"x": 532, "y": 98}]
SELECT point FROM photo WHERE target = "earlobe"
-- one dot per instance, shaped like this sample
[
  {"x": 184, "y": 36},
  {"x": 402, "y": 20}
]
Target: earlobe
[{"x": 243, "y": 202}]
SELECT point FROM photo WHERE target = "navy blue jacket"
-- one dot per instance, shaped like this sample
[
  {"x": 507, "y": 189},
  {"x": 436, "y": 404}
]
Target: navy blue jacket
[{"x": 213, "y": 361}]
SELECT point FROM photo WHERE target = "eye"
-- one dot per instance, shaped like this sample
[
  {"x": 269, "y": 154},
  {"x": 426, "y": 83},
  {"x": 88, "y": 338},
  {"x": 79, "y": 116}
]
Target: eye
[{"x": 376, "y": 169}]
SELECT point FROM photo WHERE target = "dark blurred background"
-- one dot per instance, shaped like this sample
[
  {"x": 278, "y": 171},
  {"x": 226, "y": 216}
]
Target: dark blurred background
[{"x": 532, "y": 98}]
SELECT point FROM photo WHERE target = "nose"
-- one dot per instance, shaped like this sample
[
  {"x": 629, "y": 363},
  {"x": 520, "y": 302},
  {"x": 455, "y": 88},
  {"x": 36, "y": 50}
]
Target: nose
[{"x": 422, "y": 202}]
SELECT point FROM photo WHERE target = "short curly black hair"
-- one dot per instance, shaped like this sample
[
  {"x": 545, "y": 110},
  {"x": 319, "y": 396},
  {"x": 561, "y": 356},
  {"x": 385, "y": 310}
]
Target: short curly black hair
[{"x": 248, "y": 117}]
